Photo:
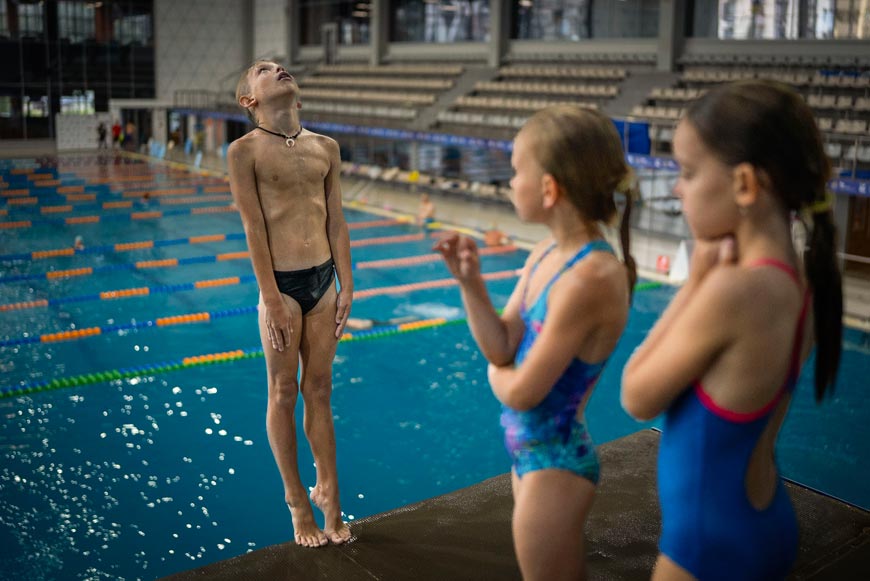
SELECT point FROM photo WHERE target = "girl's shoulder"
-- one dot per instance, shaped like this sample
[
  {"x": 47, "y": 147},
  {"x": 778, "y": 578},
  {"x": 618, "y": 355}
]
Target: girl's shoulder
[
  {"x": 538, "y": 251},
  {"x": 600, "y": 278},
  {"x": 748, "y": 293}
]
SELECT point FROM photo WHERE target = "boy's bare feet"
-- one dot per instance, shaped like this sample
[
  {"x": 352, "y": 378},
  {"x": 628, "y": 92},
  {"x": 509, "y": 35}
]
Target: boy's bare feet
[
  {"x": 305, "y": 529},
  {"x": 336, "y": 529}
]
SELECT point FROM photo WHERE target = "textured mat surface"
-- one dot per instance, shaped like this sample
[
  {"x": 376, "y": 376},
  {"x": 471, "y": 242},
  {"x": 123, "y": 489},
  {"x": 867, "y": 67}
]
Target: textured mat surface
[{"x": 465, "y": 535}]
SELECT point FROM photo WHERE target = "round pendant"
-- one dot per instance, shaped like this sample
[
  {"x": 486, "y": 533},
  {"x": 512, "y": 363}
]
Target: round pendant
[{"x": 290, "y": 142}]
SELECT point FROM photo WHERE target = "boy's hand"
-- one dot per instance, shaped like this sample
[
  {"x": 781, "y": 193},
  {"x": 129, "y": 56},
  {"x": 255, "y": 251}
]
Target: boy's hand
[
  {"x": 277, "y": 318},
  {"x": 460, "y": 255},
  {"x": 342, "y": 311}
]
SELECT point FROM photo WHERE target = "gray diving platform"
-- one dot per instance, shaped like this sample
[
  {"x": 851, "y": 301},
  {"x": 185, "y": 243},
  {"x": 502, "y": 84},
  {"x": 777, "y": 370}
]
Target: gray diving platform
[{"x": 466, "y": 535}]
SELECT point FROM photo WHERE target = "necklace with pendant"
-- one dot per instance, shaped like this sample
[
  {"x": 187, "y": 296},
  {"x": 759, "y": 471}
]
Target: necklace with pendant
[{"x": 290, "y": 140}]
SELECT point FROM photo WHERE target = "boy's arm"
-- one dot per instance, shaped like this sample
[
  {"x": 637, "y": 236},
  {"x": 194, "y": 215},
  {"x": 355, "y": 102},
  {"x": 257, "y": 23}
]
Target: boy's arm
[
  {"x": 243, "y": 185},
  {"x": 338, "y": 235}
]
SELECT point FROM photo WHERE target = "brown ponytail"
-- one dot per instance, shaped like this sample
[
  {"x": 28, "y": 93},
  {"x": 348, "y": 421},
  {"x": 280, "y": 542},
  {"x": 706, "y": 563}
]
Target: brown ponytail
[
  {"x": 823, "y": 273},
  {"x": 630, "y": 189}
]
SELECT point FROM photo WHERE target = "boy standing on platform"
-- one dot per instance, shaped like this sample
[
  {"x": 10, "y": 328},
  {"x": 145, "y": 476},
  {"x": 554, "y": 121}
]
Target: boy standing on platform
[{"x": 285, "y": 182}]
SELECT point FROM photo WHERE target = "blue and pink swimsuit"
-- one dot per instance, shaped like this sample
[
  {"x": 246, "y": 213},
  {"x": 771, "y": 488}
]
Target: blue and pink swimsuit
[{"x": 709, "y": 526}]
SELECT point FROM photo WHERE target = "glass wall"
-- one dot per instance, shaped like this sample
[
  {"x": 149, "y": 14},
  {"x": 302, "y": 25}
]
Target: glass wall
[
  {"x": 581, "y": 19},
  {"x": 781, "y": 19},
  {"x": 352, "y": 18},
  {"x": 439, "y": 21},
  {"x": 71, "y": 57},
  {"x": 75, "y": 21},
  {"x": 838, "y": 19}
]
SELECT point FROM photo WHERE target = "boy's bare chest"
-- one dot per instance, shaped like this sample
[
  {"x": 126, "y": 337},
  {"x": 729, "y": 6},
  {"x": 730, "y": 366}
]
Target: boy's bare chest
[{"x": 293, "y": 168}]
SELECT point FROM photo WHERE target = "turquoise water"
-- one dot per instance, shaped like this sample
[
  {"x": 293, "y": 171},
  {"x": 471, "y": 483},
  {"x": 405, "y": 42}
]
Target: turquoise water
[{"x": 143, "y": 477}]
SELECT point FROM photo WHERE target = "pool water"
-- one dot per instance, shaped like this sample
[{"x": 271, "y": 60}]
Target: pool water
[{"x": 142, "y": 477}]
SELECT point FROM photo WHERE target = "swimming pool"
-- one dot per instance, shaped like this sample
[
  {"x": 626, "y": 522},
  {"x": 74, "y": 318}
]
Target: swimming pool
[{"x": 170, "y": 469}]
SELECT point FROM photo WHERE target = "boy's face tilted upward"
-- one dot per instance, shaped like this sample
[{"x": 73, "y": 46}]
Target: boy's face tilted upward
[{"x": 268, "y": 81}]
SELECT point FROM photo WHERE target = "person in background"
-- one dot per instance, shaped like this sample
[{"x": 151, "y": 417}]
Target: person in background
[
  {"x": 426, "y": 212},
  {"x": 102, "y": 133},
  {"x": 723, "y": 360},
  {"x": 131, "y": 137},
  {"x": 116, "y": 133},
  {"x": 495, "y": 237},
  {"x": 366, "y": 324}
]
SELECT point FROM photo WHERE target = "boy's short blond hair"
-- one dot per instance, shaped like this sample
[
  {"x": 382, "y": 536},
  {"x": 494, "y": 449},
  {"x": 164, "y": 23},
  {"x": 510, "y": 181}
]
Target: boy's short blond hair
[{"x": 243, "y": 87}]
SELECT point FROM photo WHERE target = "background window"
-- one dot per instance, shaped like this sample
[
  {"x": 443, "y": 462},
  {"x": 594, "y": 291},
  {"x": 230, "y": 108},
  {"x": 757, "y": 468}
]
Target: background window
[
  {"x": 75, "y": 20},
  {"x": 781, "y": 19},
  {"x": 131, "y": 23},
  {"x": 30, "y": 21},
  {"x": 838, "y": 19},
  {"x": 439, "y": 21},
  {"x": 4, "y": 22},
  {"x": 579, "y": 19},
  {"x": 79, "y": 103},
  {"x": 352, "y": 18}
]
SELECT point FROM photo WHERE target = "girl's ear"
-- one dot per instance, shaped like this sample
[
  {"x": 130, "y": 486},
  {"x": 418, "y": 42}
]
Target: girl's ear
[
  {"x": 549, "y": 190},
  {"x": 298, "y": 104},
  {"x": 748, "y": 182}
]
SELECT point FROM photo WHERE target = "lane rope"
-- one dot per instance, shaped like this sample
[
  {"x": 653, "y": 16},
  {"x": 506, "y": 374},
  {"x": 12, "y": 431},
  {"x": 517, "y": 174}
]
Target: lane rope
[{"x": 224, "y": 357}]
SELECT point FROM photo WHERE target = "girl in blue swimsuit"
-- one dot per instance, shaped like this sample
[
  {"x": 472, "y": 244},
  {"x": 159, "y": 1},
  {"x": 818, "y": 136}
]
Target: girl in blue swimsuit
[
  {"x": 548, "y": 347},
  {"x": 723, "y": 359}
]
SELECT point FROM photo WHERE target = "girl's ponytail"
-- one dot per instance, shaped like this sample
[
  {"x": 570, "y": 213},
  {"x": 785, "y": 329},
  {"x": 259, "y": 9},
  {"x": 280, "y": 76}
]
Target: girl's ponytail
[
  {"x": 823, "y": 273},
  {"x": 630, "y": 189}
]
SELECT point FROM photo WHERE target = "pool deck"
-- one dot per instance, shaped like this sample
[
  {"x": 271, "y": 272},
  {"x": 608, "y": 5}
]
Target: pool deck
[{"x": 466, "y": 534}]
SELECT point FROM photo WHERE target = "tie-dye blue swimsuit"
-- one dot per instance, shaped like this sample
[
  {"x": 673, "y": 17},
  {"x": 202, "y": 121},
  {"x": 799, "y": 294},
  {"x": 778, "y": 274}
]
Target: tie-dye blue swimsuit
[{"x": 549, "y": 435}]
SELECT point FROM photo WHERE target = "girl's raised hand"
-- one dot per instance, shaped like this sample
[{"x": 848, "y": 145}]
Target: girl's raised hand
[{"x": 460, "y": 256}]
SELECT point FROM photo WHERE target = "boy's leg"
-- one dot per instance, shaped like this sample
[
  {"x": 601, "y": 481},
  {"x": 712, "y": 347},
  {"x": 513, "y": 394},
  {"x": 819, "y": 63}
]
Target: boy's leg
[
  {"x": 550, "y": 512},
  {"x": 317, "y": 350},
  {"x": 282, "y": 367}
]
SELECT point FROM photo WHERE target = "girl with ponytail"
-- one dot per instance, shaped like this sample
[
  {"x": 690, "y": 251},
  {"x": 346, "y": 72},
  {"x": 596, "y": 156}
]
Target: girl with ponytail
[
  {"x": 548, "y": 347},
  {"x": 723, "y": 359}
]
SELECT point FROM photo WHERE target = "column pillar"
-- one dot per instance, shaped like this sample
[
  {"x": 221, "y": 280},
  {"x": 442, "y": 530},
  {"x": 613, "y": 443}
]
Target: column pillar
[{"x": 671, "y": 26}]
